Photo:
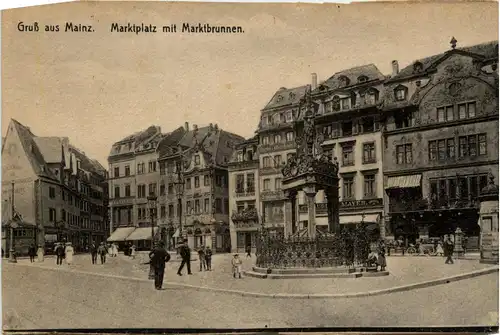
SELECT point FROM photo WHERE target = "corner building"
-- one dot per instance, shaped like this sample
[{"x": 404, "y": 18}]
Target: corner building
[{"x": 440, "y": 141}]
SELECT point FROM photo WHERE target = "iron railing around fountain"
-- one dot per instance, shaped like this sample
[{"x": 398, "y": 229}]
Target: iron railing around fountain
[{"x": 348, "y": 248}]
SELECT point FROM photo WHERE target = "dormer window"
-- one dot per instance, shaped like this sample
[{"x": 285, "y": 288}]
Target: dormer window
[
  {"x": 400, "y": 93},
  {"x": 343, "y": 81},
  {"x": 279, "y": 98},
  {"x": 197, "y": 160},
  {"x": 288, "y": 116},
  {"x": 291, "y": 96},
  {"x": 336, "y": 103},
  {"x": 371, "y": 97},
  {"x": 362, "y": 79},
  {"x": 418, "y": 67},
  {"x": 240, "y": 156}
]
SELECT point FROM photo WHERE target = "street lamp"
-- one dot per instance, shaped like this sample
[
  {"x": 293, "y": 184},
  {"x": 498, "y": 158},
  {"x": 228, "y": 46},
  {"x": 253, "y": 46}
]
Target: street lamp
[
  {"x": 13, "y": 225},
  {"x": 179, "y": 187},
  {"x": 152, "y": 211}
]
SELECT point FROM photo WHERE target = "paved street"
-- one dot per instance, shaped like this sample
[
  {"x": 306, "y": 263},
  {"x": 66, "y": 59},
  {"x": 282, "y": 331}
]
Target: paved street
[
  {"x": 403, "y": 271},
  {"x": 41, "y": 298}
]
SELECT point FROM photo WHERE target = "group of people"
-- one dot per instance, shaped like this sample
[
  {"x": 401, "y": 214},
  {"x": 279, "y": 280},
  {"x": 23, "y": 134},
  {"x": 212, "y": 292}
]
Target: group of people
[
  {"x": 376, "y": 257},
  {"x": 64, "y": 251},
  {"x": 102, "y": 251},
  {"x": 205, "y": 256}
]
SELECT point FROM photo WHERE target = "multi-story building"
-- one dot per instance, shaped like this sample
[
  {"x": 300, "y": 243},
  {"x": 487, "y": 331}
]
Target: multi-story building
[
  {"x": 440, "y": 141},
  {"x": 134, "y": 174},
  {"x": 194, "y": 185},
  {"x": 276, "y": 145},
  {"x": 244, "y": 204},
  {"x": 348, "y": 119},
  {"x": 53, "y": 187}
]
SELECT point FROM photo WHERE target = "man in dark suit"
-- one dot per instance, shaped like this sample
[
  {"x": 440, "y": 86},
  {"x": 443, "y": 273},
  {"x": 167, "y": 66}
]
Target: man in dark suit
[
  {"x": 158, "y": 258},
  {"x": 93, "y": 252},
  {"x": 186, "y": 258}
]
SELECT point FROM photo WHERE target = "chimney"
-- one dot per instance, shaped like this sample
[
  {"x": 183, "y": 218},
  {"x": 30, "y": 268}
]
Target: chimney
[
  {"x": 211, "y": 126},
  {"x": 395, "y": 68},
  {"x": 186, "y": 126},
  {"x": 314, "y": 83}
]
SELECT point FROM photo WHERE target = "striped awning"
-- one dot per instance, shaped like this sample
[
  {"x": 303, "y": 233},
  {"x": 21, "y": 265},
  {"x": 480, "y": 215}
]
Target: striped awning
[
  {"x": 120, "y": 234},
  {"x": 404, "y": 181},
  {"x": 355, "y": 219},
  {"x": 143, "y": 233}
]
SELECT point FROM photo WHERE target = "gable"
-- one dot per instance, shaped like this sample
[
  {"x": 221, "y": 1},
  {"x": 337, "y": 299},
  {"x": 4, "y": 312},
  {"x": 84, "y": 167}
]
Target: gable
[{"x": 16, "y": 164}]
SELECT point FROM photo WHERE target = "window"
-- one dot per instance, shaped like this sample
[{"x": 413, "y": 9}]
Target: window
[
  {"x": 452, "y": 189},
  {"x": 250, "y": 182},
  {"x": 163, "y": 211},
  {"x": 266, "y": 162},
  {"x": 403, "y": 119},
  {"x": 368, "y": 125},
  {"x": 327, "y": 131},
  {"x": 345, "y": 103},
  {"x": 163, "y": 168},
  {"x": 152, "y": 188},
  {"x": 265, "y": 140},
  {"x": 171, "y": 211},
  {"x": 226, "y": 206},
  {"x": 347, "y": 129},
  {"x": 188, "y": 183},
  {"x": 482, "y": 144},
  {"x": 450, "y": 151},
  {"x": 370, "y": 190},
  {"x": 188, "y": 207},
  {"x": 218, "y": 205},
  {"x": 467, "y": 110},
  {"x": 52, "y": 192},
  {"x": 197, "y": 208},
  {"x": 170, "y": 188},
  {"x": 371, "y": 98},
  {"x": 141, "y": 191},
  {"x": 207, "y": 205},
  {"x": 442, "y": 149},
  {"x": 432, "y": 150},
  {"x": 52, "y": 215},
  {"x": 240, "y": 183},
  {"x": 462, "y": 149},
  {"x": 267, "y": 184},
  {"x": 289, "y": 136},
  {"x": 162, "y": 189},
  {"x": 277, "y": 161},
  {"x": 117, "y": 191},
  {"x": 471, "y": 109},
  {"x": 441, "y": 114},
  {"x": 449, "y": 113},
  {"x": 347, "y": 155},
  {"x": 404, "y": 154},
  {"x": 277, "y": 184},
  {"x": 127, "y": 190},
  {"x": 117, "y": 172},
  {"x": 206, "y": 180},
  {"x": 472, "y": 145},
  {"x": 197, "y": 160},
  {"x": 152, "y": 166},
  {"x": 400, "y": 93},
  {"x": 369, "y": 153},
  {"x": 196, "y": 182},
  {"x": 348, "y": 186},
  {"x": 277, "y": 138},
  {"x": 140, "y": 168}
]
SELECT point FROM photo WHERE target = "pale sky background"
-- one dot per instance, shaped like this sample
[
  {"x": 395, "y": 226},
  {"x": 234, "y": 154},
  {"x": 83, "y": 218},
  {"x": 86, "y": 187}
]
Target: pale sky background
[{"x": 100, "y": 87}]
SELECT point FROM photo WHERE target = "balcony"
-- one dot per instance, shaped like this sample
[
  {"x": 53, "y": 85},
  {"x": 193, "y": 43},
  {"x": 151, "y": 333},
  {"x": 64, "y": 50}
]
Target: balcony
[
  {"x": 277, "y": 147},
  {"x": 248, "y": 214},
  {"x": 245, "y": 193},
  {"x": 244, "y": 165}
]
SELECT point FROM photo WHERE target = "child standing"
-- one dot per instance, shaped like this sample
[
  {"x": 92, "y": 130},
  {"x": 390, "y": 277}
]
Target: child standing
[{"x": 236, "y": 262}]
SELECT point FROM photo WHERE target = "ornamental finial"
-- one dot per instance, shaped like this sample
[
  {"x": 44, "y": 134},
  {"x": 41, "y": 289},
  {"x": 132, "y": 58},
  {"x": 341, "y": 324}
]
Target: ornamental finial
[{"x": 453, "y": 42}]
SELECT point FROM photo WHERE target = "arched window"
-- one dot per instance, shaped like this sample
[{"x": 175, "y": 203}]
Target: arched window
[
  {"x": 343, "y": 81},
  {"x": 362, "y": 79},
  {"x": 418, "y": 67}
]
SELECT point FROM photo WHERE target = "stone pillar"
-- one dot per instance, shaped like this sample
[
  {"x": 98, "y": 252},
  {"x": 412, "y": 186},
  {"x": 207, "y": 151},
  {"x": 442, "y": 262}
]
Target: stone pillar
[
  {"x": 294, "y": 213},
  {"x": 333, "y": 211},
  {"x": 290, "y": 215},
  {"x": 310, "y": 193},
  {"x": 111, "y": 219}
]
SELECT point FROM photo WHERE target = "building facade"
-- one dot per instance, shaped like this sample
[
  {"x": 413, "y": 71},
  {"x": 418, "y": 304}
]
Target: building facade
[
  {"x": 55, "y": 190},
  {"x": 244, "y": 191},
  {"x": 440, "y": 141},
  {"x": 276, "y": 146},
  {"x": 194, "y": 180}
]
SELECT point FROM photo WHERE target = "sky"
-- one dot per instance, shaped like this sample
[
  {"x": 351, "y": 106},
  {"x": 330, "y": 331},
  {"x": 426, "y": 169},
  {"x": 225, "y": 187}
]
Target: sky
[{"x": 97, "y": 88}]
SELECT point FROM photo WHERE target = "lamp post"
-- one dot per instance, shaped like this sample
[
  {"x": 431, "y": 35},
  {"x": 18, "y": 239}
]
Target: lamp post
[
  {"x": 179, "y": 187},
  {"x": 152, "y": 211},
  {"x": 13, "y": 225}
]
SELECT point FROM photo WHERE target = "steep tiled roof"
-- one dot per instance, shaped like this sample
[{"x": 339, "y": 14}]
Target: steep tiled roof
[
  {"x": 170, "y": 140},
  {"x": 136, "y": 138},
  {"x": 488, "y": 50},
  {"x": 286, "y": 96},
  {"x": 353, "y": 74},
  {"x": 50, "y": 147}
]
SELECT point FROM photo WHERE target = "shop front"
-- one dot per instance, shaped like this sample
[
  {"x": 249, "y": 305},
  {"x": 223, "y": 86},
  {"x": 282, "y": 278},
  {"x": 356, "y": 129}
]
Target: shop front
[{"x": 142, "y": 237}]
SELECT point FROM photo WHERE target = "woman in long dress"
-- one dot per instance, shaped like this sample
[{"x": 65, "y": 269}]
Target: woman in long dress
[
  {"x": 115, "y": 249},
  {"x": 40, "y": 253},
  {"x": 110, "y": 250},
  {"x": 439, "y": 249},
  {"x": 132, "y": 251},
  {"x": 69, "y": 251}
]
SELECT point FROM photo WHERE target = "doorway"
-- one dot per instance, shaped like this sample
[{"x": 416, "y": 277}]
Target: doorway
[{"x": 248, "y": 239}]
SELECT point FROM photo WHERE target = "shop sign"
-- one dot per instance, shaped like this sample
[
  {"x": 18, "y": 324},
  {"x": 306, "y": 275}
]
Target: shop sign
[
  {"x": 122, "y": 202},
  {"x": 361, "y": 203}
]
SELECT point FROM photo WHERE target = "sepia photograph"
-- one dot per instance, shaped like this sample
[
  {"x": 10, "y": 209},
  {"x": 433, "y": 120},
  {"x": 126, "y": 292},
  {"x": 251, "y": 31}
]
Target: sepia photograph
[{"x": 243, "y": 166}]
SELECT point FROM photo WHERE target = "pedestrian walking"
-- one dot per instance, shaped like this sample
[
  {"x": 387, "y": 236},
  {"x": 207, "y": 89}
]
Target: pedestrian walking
[
  {"x": 236, "y": 263},
  {"x": 102, "y": 252},
  {"x": 439, "y": 249},
  {"x": 59, "y": 249},
  {"x": 186, "y": 258},
  {"x": 40, "y": 252},
  {"x": 208, "y": 258},
  {"x": 132, "y": 252},
  {"x": 381, "y": 261},
  {"x": 248, "y": 250},
  {"x": 32, "y": 252},
  {"x": 158, "y": 258},
  {"x": 93, "y": 252},
  {"x": 203, "y": 260},
  {"x": 110, "y": 250},
  {"x": 69, "y": 251},
  {"x": 448, "y": 250},
  {"x": 115, "y": 249}
]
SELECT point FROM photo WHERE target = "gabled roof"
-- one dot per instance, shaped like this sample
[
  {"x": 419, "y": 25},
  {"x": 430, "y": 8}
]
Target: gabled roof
[
  {"x": 286, "y": 96},
  {"x": 488, "y": 50},
  {"x": 353, "y": 74},
  {"x": 170, "y": 140},
  {"x": 50, "y": 147},
  {"x": 137, "y": 139}
]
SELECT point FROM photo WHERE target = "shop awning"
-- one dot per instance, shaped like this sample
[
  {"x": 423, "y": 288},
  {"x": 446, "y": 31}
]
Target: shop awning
[
  {"x": 120, "y": 234},
  {"x": 140, "y": 234},
  {"x": 177, "y": 233},
  {"x": 355, "y": 219},
  {"x": 404, "y": 181}
]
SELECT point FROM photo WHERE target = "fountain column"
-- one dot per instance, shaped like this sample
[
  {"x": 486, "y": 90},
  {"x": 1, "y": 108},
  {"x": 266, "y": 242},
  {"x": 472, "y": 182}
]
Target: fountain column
[{"x": 311, "y": 208}]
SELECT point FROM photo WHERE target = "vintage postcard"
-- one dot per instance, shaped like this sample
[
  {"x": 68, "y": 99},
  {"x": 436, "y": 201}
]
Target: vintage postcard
[{"x": 249, "y": 166}]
